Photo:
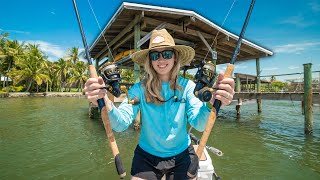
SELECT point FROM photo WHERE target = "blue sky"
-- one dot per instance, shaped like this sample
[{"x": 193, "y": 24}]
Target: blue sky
[{"x": 289, "y": 28}]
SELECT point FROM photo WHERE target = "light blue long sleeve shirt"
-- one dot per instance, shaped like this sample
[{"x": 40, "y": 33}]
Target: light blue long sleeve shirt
[{"x": 164, "y": 127}]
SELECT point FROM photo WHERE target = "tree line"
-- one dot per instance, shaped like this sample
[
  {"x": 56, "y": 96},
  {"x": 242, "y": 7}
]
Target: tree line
[{"x": 30, "y": 70}]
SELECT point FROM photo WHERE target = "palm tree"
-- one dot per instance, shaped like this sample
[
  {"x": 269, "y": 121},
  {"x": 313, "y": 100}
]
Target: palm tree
[
  {"x": 30, "y": 68},
  {"x": 79, "y": 74},
  {"x": 11, "y": 51},
  {"x": 73, "y": 55},
  {"x": 62, "y": 72}
]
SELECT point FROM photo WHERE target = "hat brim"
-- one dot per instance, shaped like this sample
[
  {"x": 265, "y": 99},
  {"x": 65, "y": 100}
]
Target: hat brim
[{"x": 185, "y": 54}]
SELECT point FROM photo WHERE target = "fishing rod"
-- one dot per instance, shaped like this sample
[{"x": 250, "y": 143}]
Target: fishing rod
[
  {"x": 111, "y": 76},
  {"x": 217, "y": 103}
]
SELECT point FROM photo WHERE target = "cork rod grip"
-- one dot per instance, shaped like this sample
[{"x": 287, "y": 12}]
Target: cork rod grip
[
  {"x": 107, "y": 126},
  {"x": 212, "y": 117}
]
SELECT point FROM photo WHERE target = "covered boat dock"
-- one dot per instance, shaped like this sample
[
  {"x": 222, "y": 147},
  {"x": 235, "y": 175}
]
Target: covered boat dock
[{"x": 131, "y": 26}]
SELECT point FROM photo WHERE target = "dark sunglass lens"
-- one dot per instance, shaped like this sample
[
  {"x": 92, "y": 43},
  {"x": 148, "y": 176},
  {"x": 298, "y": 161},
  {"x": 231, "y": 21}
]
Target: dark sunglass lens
[
  {"x": 167, "y": 54},
  {"x": 154, "y": 55}
]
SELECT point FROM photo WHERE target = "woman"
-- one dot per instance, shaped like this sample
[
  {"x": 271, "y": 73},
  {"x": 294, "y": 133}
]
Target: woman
[{"x": 167, "y": 104}]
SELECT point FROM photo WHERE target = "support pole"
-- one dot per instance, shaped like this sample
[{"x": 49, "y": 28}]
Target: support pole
[
  {"x": 238, "y": 89},
  {"x": 137, "y": 36},
  {"x": 97, "y": 63},
  {"x": 258, "y": 84},
  {"x": 110, "y": 59},
  {"x": 307, "y": 97},
  {"x": 136, "y": 67}
]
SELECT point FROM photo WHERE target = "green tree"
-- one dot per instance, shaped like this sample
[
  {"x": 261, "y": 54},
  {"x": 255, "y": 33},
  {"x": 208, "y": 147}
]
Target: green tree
[
  {"x": 73, "y": 55},
  {"x": 187, "y": 75},
  {"x": 278, "y": 85},
  {"x": 79, "y": 74},
  {"x": 62, "y": 72},
  {"x": 127, "y": 76},
  {"x": 30, "y": 68},
  {"x": 10, "y": 52}
]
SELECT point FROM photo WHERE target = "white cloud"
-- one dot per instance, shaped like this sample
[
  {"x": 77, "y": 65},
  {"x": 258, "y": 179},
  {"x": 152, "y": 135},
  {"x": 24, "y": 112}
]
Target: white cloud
[
  {"x": 52, "y": 11},
  {"x": 315, "y": 6},
  {"x": 270, "y": 69},
  {"x": 82, "y": 54},
  {"x": 15, "y": 31},
  {"x": 298, "y": 21},
  {"x": 295, "y": 48},
  {"x": 241, "y": 66},
  {"x": 293, "y": 67},
  {"x": 53, "y": 51}
]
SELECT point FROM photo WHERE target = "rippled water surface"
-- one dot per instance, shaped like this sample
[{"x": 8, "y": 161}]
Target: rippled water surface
[{"x": 53, "y": 138}]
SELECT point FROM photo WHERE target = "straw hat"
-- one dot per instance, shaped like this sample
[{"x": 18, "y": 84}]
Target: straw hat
[{"x": 160, "y": 39}]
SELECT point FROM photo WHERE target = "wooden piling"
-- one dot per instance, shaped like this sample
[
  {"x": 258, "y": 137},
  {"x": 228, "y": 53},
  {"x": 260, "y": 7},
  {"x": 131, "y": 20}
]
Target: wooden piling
[
  {"x": 238, "y": 89},
  {"x": 136, "y": 67},
  {"x": 258, "y": 84},
  {"x": 137, "y": 37},
  {"x": 307, "y": 98},
  {"x": 93, "y": 111}
]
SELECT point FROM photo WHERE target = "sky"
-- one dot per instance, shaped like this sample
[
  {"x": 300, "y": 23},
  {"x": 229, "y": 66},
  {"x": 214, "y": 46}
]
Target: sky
[{"x": 289, "y": 28}]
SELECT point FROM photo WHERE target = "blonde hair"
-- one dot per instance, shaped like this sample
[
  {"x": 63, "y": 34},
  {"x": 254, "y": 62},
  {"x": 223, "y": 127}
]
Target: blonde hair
[{"x": 152, "y": 83}]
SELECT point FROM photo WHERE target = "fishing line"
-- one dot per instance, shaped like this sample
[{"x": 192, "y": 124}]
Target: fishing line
[
  {"x": 215, "y": 38},
  {"x": 95, "y": 17}
]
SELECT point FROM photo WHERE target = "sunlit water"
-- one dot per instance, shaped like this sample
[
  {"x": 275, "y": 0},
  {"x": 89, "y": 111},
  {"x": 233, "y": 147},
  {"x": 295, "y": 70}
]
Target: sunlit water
[{"x": 53, "y": 138}]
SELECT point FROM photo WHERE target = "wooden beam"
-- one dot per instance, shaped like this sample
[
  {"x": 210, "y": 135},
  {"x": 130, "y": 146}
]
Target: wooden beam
[
  {"x": 147, "y": 37},
  {"x": 186, "y": 21},
  {"x": 124, "y": 40},
  {"x": 137, "y": 37},
  {"x": 290, "y": 96},
  {"x": 177, "y": 28},
  {"x": 204, "y": 41},
  {"x": 177, "y": 41},
  {"x": 121, "y": 34},
  {"x": 223, "y": 39},
  {"x": 220, "y": 53}
]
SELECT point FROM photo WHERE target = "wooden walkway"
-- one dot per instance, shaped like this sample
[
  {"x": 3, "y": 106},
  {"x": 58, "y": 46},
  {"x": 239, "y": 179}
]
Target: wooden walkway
[{"x": 291, "y": 96}]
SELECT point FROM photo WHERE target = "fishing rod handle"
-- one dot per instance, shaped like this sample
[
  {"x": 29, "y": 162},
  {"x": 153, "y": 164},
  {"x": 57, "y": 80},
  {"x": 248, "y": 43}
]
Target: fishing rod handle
[
  {"x": 213, "y": 115},
  {"x": 229, "y": 71},
  {"x": 206, "y": 132},
  {"x": 104, "y": 113},
  {"x": 107, "y": 126}
]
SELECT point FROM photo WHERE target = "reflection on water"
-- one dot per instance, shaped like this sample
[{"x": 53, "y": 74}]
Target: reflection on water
[{"x": 46, "y": 138}]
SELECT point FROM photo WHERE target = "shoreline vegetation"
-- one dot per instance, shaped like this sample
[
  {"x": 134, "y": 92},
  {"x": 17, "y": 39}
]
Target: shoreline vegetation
[
  {"x": 41, "y": 94},
  {"x": 26, "y": 68}
]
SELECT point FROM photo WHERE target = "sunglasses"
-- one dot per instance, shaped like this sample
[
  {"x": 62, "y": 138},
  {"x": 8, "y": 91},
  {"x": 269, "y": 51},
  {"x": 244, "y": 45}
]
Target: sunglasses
[{"x": 155, "y": 55}]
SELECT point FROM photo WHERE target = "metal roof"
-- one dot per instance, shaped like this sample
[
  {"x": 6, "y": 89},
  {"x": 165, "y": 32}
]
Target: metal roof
[{"x": 183, "y": 25}]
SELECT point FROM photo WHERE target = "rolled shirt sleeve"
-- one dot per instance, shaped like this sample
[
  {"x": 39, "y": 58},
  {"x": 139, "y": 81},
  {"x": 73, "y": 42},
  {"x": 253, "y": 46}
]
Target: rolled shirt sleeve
[
  {"x": 197, "y": 111},
  {"x": 123, "y": 116}
]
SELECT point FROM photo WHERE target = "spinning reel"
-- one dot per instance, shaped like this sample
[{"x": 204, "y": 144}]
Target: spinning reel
[
  {"x": 111, "y": 76},
  {"x": 205, "y": 78}
]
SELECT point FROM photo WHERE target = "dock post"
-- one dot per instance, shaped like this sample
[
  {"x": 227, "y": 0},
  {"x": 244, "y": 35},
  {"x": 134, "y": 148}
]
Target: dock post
[
  {"x": 110, "y": 59},
  {"x": 238, "y": 89},
  {"x": 258, "y": 84},
  {"x": 307, "y": 98},
  {"x": 93, "y": 111},
  {"x": 136, "y": 67}
]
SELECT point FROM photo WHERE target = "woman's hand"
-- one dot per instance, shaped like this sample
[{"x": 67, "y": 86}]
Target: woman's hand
[
  {"x": 225, "y": 90},
  {"x": 93, "y": 89}
]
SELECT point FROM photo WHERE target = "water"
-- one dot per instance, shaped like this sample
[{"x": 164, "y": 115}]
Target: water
[{"x": 53, "y": 138}]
